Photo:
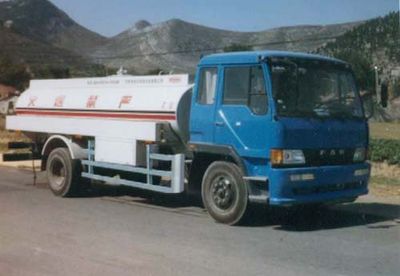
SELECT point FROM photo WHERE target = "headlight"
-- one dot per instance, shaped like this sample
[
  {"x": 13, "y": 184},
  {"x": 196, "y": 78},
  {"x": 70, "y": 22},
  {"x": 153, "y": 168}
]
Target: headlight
[
  {"x": 361, "y": 172},
  {"x": 360, "y": 155},
  {"x": 287, "y": 157}
]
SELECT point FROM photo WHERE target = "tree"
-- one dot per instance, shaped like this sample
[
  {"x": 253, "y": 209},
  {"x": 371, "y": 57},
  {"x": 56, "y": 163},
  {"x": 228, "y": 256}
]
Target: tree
[
  {"x": 362, "y": 67},
  {"x": 237, "y": 48},
  {"x": 155, "y": 71},
  {"x": 14, "y": 74},
  {"x": 52, "y": 72}
]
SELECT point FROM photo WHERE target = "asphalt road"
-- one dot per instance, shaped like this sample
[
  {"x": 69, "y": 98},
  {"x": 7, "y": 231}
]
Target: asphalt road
[{"x": 116, "y": 232}]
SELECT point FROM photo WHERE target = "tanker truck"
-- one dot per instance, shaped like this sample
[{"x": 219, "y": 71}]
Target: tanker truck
[{"x": 269, "y": 127}]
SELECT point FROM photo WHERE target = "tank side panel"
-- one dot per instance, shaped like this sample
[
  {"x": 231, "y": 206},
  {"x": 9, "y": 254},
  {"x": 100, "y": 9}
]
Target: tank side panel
[
  {"x": 124, "y": 130},
  {"x": 125, "y": 108}
]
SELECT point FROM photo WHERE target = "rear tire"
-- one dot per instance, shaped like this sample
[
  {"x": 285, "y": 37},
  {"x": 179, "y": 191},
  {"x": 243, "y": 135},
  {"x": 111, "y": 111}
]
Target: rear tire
[
  {"x": 63, "y": 173},
  {"x": 224, "y": 193}
]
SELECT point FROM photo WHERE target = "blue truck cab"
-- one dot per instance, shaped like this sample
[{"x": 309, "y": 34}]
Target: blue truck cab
[{"x": 280, "y": 128}]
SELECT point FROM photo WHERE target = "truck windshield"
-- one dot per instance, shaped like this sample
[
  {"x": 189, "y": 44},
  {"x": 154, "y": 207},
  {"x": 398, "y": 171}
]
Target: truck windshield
[{"x": 309, "y": 88}]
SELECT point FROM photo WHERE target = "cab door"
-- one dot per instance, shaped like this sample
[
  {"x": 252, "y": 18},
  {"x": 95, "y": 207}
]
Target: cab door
[
  {"x": 242, "y": 116},
  {"x": 202, "y": 120}
]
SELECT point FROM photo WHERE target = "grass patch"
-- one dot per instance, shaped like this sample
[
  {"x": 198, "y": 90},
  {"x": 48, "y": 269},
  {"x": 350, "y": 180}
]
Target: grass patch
[
  {"x": 389, "y": 131},
  {"x": 382, "y": 150}
]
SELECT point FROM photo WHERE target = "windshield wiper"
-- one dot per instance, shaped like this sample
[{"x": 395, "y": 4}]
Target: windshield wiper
[
  {"x": 342, "y": 113},
  {"x": 300, "y": 113},
  {"x": 335, "y": 109}
]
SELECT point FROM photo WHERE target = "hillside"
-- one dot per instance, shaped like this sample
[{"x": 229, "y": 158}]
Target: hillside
[
  {"x": 177, "y": 45},
  {"x": 36, "y": 35},
  {"x": 42, "y": 60},
  {"x": 51, "y": 36},
  {"x": 374, "y": 43},
  {"x": 376, "y": 40},
  {"x": 42, "y": 21},
  {"x": 24, "y": 50}
]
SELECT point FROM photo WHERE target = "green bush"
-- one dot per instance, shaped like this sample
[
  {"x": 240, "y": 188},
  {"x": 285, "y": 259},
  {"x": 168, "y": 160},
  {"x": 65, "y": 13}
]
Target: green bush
[
  {"x": 237, "y": 48},
  {"x": 385, "y": 150}
]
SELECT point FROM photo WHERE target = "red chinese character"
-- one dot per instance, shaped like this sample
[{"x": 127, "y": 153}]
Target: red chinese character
[
  {"x": 174, "y": 79},
  {"x": 32, "y": 101},
  {"x": 59, "y": 102},
  {"x": 91, "y": 102},
  {"x": 125, "y": 100}
]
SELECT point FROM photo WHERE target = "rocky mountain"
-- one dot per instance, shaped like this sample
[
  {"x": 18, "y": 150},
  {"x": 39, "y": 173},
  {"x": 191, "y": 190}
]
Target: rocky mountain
[
  {"x": 40, "y": 20},
  {"x": 177, "y": 45},
  {"x": 36, "y": 35},
  {"x": 173, "y": 45},
  {"x": 36, "y": 30}
]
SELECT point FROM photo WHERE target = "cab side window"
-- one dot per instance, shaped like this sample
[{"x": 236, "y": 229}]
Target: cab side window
[
  {"x": 207, "y": 86},
  {"x": 246, "y": 86}
]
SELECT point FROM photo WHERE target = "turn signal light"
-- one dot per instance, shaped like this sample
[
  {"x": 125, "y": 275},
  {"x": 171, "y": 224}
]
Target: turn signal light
[
  {"x": 287, "y": 157},
  {"x": 276, "y": 157}
]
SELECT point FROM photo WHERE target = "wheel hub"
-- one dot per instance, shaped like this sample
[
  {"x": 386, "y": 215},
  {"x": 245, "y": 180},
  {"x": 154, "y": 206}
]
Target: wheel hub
[
  {"x": 58, "y": 174},
  {"x": 222, "y": 193}
]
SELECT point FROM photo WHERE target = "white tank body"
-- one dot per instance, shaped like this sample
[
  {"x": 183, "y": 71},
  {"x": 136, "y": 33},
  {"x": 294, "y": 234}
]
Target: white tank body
[{"x": 139, "y": 98}]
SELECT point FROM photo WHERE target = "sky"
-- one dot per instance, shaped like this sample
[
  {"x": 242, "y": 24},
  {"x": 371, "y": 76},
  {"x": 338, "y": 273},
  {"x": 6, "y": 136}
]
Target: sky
[{"x": 110, "y": 17}]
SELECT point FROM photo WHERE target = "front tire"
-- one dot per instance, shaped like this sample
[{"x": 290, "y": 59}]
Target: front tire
[
  {"x": 224, "y": 193},
  {"x": 63, "y": 173}
]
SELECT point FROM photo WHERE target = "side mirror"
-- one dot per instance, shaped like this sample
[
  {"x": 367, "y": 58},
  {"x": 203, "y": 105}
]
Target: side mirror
[{"x": 384, "y": 95}]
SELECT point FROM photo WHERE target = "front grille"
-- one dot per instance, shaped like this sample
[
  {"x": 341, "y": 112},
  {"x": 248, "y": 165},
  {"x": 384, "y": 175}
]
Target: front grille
[
  {"x": 328, "y": 188},
  {"x": 327, "y": 157}
]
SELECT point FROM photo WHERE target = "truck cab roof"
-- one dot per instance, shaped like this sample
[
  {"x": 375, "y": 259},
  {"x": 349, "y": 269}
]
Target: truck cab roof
[{"x": 256, "y": 56}]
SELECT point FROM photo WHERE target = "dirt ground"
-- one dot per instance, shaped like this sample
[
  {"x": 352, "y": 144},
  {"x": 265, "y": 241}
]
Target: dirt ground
[
  {"x": 385, "y": 180},
  {"x": 381, "y": 187},
  {"x": 384, "y": 130},
  {"x": 385, "y": 170}
]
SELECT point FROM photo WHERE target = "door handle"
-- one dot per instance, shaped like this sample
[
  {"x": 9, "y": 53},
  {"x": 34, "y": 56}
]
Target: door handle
[{"x": 220, "y": 124}]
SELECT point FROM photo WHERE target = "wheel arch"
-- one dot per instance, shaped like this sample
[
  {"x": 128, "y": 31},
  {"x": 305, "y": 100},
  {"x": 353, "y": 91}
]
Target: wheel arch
[
  {"x": 60, "y": 141},
  {"x": 205, "y": 155}
]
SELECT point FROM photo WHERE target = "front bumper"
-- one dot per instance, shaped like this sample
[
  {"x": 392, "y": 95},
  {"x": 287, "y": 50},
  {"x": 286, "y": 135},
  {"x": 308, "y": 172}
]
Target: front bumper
[{"x": 328, "y": 184}]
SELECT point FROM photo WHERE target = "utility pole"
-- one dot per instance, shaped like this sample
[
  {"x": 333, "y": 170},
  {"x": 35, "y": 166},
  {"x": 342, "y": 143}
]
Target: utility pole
[{"x": 378, "y": 96}]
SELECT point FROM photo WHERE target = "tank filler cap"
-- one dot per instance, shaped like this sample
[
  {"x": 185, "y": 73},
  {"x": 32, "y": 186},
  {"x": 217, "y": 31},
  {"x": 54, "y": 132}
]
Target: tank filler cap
[{"x": 122, "y": 71}]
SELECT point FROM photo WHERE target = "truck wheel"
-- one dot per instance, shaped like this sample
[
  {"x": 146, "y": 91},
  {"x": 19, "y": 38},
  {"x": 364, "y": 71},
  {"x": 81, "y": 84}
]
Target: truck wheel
[
  {"x": 224, "y": 192},
  {"x": 63, "y": 173}
]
